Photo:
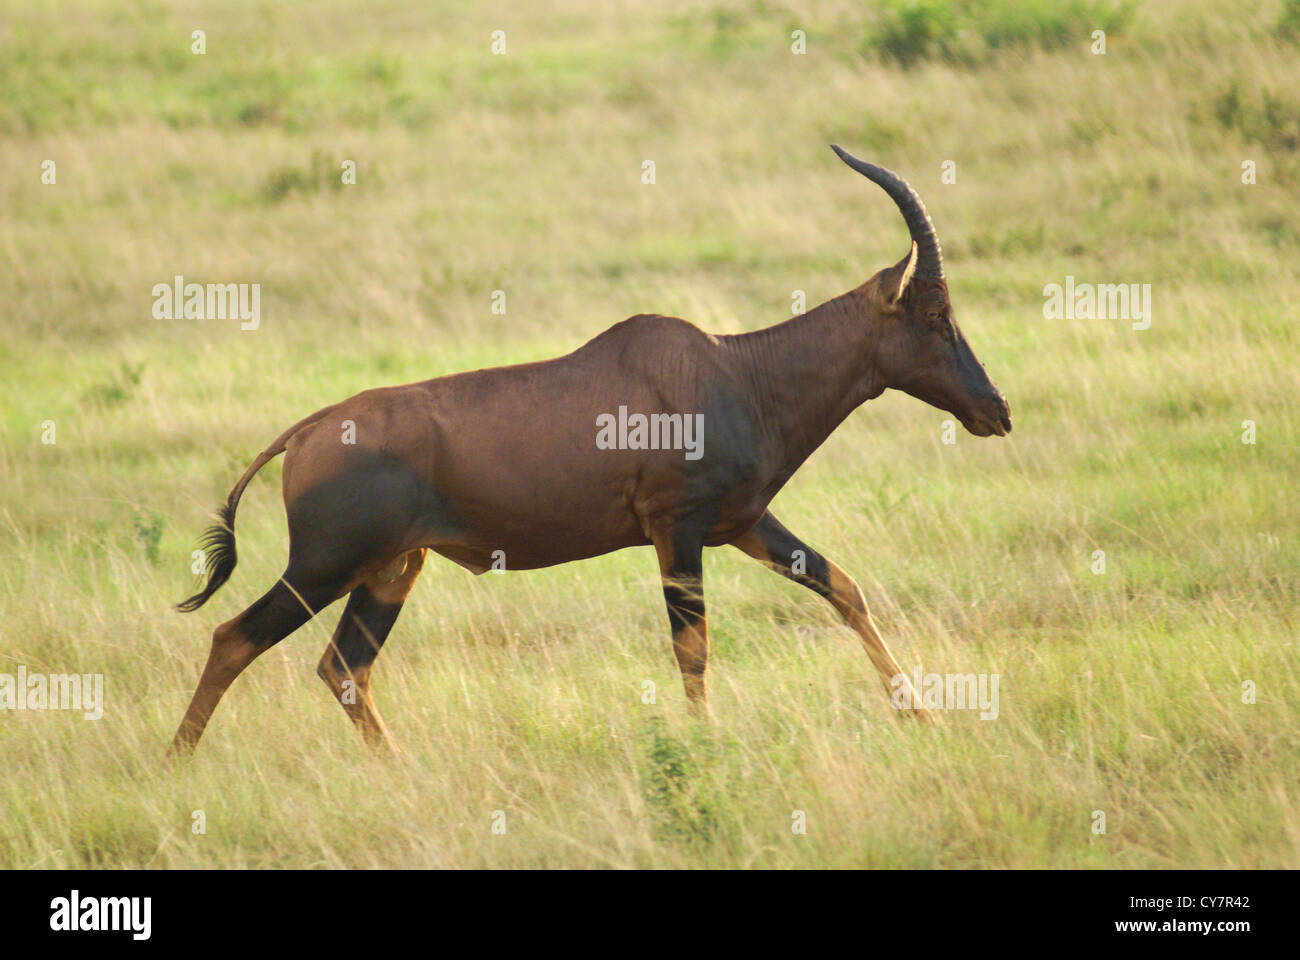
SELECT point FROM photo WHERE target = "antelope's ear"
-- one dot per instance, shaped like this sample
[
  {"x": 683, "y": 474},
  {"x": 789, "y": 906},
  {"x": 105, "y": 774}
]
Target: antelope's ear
[{"x": 900, "y": 275}]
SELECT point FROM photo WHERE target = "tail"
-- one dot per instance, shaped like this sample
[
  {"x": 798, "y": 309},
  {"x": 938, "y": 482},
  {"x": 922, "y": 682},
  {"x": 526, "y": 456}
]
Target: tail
[{"x": 218, "y": 541}]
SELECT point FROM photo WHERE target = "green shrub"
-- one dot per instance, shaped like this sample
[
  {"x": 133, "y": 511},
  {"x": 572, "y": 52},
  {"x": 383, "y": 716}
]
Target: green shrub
[
  {"x": 685, "y": 784},
  {"x": 116, "y": 390},
  {"x": 321, "y": 173},
  {"x": 1269, "y": 118},
  {"x": 971, "y": 31},
  {"x": 1288, "y": 23},
  {"x": 148, "y": 530}
]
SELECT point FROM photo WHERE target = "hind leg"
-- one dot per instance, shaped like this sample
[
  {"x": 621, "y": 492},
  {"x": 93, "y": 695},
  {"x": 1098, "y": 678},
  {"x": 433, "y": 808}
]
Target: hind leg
[
  {"x": 240, "y": 641},
  {"x": 371, "y": 611}
]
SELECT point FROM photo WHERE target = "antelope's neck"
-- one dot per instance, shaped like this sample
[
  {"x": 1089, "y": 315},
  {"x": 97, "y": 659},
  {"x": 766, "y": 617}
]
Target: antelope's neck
[{"x": 806, "y": 375}]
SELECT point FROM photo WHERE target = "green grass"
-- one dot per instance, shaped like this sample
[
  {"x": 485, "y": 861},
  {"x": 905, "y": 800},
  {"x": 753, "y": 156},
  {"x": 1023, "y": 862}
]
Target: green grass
[{"x": 523, "y": 693}]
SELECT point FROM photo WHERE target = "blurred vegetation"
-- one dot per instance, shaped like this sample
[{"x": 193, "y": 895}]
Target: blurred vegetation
[{"x": 973, "y": 31}]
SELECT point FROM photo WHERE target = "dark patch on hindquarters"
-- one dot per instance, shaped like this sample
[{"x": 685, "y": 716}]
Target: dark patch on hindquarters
[{"x": 376, "y": 506}]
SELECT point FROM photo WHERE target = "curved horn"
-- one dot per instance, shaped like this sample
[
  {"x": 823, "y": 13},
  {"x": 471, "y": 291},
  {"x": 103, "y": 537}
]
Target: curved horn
[{"x": 929, "y": 257}]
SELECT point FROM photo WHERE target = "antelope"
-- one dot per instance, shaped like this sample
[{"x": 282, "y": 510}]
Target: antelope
[{"x": 505, "y": 462}]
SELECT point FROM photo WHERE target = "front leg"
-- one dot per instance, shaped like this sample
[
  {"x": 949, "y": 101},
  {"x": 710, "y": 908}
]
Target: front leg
[
  {"x": 773, "y": 545},
  {"x": 681, "y": 569}
]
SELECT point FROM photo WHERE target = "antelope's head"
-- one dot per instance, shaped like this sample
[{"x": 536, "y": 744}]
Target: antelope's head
[{"x": 918, "y": 345}]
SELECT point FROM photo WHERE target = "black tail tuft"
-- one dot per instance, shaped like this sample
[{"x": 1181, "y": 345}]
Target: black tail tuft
[{"x": 218, "y": 545}]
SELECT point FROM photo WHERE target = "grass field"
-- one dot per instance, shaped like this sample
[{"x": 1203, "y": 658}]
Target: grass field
[{"x": 1121, "y": 692}]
